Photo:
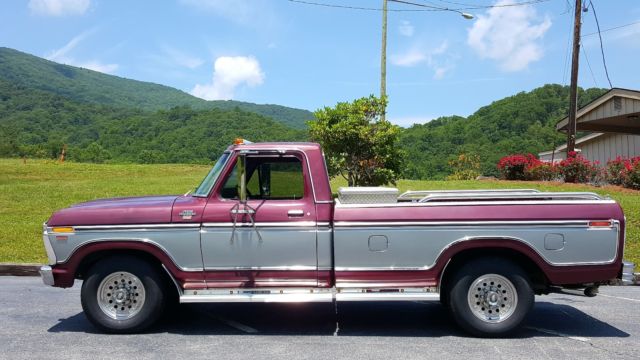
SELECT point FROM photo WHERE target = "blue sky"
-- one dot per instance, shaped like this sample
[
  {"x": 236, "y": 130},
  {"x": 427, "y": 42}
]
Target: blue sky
[{"x": 281, "y": 52}]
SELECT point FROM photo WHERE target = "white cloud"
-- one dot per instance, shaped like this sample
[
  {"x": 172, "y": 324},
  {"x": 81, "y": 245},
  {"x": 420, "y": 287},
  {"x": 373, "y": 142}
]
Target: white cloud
[
  {"x": 181, "y": 58},
  {"x": 410, "y": 120},
  {"x": 61, "y": 55},
  {"x": 229, "y": 72},
  {"x": 509, "y": 35},
  {"x": 59, "y": 7},
  {"x": 406, "y": 29},
  {"x": 412, "y": 57},
  {"x": 417, "y": 55}
]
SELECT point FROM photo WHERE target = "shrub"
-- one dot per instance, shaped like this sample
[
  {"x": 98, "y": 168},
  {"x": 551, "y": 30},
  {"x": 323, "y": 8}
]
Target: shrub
[
  {"x": 615, "y": 171},
  {"x": 576, "y": 169},
  {"x": 541, "y": 171},
  {"x": 512, "y": 167},
  {"x": 631, "y": 173},
  {"x": 465, "y": 167}
]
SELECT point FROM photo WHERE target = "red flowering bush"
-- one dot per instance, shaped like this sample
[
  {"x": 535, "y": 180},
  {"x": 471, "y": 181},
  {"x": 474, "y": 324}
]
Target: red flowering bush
[
  {"x": 615, "y": 170},
  {"x": 618, "y": 169},
  {"x": 631, "y": 173},
  {"x": 576, "y": 169},
  {"x": 512, "y": 167},
  {"x": 541, "y": 171}
]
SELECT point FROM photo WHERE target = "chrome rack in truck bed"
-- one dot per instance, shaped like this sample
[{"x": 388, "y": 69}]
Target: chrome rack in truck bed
[{"x": 493, "y": 195}]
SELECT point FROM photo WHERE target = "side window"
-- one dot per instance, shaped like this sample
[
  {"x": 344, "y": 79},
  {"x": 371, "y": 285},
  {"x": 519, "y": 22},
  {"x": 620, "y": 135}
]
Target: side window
[{"x": 268, "y": 178}]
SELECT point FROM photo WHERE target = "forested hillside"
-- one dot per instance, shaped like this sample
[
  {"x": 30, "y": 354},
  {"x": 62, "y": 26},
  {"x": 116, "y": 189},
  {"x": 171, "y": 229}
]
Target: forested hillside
[
  {"x": 44, "y": 105},
  {"x": 523, "y": 123},
  {"x": 36, "y": 123},
  {"x": 87, "y": 86}
]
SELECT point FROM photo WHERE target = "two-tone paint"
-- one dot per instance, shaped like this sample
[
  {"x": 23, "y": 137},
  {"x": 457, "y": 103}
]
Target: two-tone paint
[{"x": 297, "y": 246}]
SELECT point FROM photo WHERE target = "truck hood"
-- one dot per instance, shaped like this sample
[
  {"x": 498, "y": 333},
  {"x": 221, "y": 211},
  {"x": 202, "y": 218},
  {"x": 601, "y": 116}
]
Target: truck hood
[{"x": 116, "y": 211}]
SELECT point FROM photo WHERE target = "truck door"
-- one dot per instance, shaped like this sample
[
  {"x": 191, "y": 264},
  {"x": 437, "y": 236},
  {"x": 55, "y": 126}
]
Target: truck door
[{"x": 270, "y": 242}]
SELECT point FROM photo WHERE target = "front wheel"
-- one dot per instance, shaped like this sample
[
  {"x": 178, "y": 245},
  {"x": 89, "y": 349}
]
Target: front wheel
[
  {"x": 123, "y": 295},
  {"x": 490, "y": 297}
]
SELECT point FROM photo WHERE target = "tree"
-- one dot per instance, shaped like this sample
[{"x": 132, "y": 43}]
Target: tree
[{"x": 357, "y": 143}]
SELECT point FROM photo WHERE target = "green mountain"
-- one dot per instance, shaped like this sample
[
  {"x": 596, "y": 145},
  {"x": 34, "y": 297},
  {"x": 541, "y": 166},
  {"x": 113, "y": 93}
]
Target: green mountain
[
  {"x": 91, "y": 87},
  {"x": 36, "y": 123},
  {"x": 522, "y": 123}
]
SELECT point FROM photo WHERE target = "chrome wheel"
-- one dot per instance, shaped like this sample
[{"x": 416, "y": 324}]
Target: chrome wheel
[
  {"x": 492, "y": 298},
  {"x": 121, "y": 295}
]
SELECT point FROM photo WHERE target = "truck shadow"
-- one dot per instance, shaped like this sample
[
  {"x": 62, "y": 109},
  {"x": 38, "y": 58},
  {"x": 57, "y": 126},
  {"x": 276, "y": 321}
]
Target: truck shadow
[{"x": 413, "y": 319}]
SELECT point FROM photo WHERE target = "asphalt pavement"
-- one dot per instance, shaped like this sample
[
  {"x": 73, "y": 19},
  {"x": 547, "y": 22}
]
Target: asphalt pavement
[{"x": 40, "y": 322}]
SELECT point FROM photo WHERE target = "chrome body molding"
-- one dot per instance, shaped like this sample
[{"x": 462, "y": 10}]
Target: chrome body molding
[
  {"x": 402, "y": 294},
  {"x": 257, "y": 295},
  {"x": 296, "y": 224},
  {"x": 137, "y": 227},
  {"x": 478, "y": 203},
  {"x": 46, "y": 272},
  {"x": 297, "y": 295},
  {"x": 577, "y": 223},
  {"x": 262, "y": 268}
]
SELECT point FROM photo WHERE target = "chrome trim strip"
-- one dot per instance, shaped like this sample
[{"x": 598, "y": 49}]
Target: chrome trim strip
[
  {"x": 573, "y": 223},
  {"x": 427, "y": 267},
  {"x": 146, "y": 241},
  {"x": 258, "y": 295},
  {"x": 137, "y": 226},
  {"x": 265, "y": 268},
  {"x": 384, "y": 296},
  {"x": 324, "y": 224},
  {"x": 309, "y": 224},
  {"x": 476, "y": 203}
]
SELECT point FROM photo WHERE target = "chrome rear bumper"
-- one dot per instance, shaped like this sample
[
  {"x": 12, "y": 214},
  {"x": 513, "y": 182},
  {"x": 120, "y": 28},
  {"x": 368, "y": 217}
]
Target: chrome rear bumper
[
  {"x": 46, "y": 272},
  {"x": 627, "y": 273}
]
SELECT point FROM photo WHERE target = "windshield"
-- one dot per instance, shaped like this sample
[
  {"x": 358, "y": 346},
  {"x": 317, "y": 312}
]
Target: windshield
[{"x": 206, "y": 185}]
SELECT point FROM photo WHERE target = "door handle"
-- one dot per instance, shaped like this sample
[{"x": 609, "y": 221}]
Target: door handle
[{"x": 293, "y": 213}]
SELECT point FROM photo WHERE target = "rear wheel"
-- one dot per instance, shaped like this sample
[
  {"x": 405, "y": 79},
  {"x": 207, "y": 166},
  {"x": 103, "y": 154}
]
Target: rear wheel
[
  {"x": 490, "y": 297},
  {"x": 123, "y": 295}
]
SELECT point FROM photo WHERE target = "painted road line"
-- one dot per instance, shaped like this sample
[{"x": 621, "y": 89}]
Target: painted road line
[
  {"x": 552, "y": 332},
  {"x": 619, "y": 297}
]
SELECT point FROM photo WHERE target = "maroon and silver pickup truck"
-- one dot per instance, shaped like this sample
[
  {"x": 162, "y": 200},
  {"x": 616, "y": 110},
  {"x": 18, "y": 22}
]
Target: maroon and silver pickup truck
[{"x": 263, "y": 226}]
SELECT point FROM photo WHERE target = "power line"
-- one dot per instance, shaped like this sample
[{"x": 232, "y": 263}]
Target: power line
[
  {"x": 584, "y": 52},
  {"x": 424, "y": 6},
  {"x": 613, "y": 28},
  {"x": 604, "y": 61},
  {"x": 357, "y": 7}
]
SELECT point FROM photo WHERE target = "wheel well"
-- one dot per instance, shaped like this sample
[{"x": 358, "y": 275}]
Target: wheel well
[
  {"x": 96, "y": 256},
  {"x": 539, "y": 281}
]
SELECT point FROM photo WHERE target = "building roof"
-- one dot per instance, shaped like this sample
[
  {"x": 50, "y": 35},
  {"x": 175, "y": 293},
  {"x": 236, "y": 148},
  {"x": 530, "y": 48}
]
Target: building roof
[{"x": 618, "y": 111}]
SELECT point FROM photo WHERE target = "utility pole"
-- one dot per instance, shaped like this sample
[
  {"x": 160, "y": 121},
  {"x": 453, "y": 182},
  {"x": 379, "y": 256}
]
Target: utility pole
[
  {"x": 573, "y": 89},
  {"x": 383, "y": 58}
]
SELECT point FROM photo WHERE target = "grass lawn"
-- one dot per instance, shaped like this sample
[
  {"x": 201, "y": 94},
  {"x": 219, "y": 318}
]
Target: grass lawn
[{"x": 30, "y": 192}]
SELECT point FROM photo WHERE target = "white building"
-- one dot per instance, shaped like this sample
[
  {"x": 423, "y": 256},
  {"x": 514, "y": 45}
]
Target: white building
[{"x": 614, "y": 119}]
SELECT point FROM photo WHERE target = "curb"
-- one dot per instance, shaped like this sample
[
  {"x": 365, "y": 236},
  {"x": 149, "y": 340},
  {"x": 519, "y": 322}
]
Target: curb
[{"x": 9, "y": 269}]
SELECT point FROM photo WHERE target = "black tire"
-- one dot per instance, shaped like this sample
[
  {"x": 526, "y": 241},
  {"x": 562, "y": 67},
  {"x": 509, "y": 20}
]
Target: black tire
[
  {"x": 470, "y": 316},
  {"x": 147, "y": 313}
]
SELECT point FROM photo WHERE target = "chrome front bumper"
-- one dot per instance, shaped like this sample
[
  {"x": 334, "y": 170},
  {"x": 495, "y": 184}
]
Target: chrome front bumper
[
  {"x": 627, "y": 273},
  {"x": 46, "y": 272}
]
